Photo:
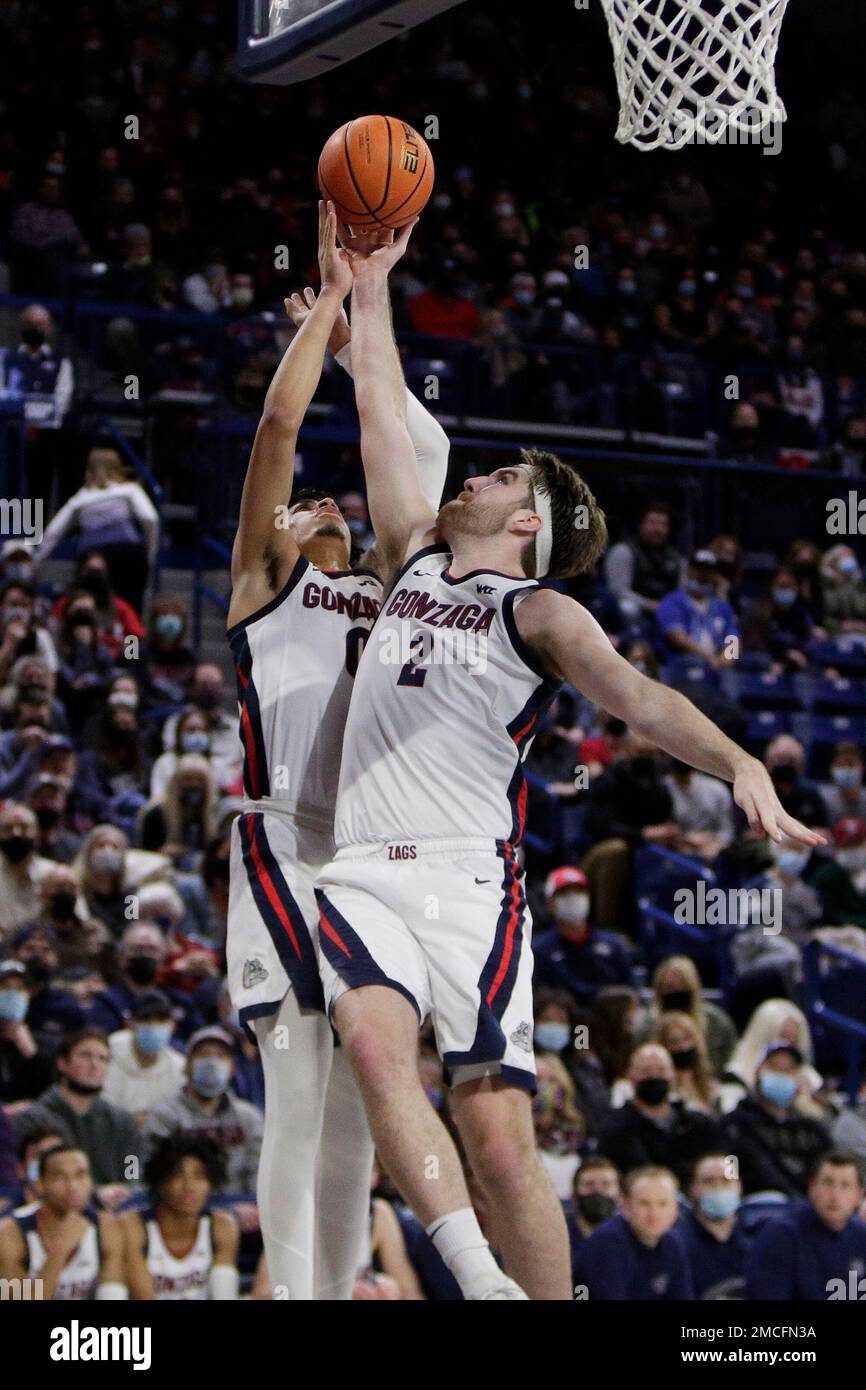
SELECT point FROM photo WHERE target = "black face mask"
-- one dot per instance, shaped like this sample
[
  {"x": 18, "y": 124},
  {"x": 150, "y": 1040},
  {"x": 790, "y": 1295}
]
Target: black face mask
[
  {"x": 16, "y": 848},
  {"x": 95, "y": 583},
  {"x": 676, "y": 1001},
  {"x": 785, "y": 773},
  {"x": 727, "y": 569},
  {"x": 595, "y": 1208},
  {"x": 643, "y": 769},
  {"x": 47, "y": 816},
  {"x": 62, "y": 904},
  {"x": 33, "y": 337},
  {"x": 652, "y": 1090},
  {"x": 141, "y": 970},
  {"x": 685, "y": 1058},
  {"x": 39, "y": 971}
]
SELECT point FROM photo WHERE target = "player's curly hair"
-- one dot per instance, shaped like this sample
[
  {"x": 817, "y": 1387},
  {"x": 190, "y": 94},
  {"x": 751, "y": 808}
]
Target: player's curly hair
[
  {"x": 169, "y": 1153},
  {"x": 579, "y": 526}
]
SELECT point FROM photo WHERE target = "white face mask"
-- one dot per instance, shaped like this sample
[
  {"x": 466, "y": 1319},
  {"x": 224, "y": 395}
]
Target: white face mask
[{"x": 572, "y": 908}]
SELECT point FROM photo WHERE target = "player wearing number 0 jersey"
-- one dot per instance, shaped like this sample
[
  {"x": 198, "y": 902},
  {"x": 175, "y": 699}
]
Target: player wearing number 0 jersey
[
  {"x": 422, "y": 908},
  {"x": 298, "y": 621}
]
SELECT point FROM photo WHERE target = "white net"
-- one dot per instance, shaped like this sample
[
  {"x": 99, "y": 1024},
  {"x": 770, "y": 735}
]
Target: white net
[{"x": 694, "y": 71}]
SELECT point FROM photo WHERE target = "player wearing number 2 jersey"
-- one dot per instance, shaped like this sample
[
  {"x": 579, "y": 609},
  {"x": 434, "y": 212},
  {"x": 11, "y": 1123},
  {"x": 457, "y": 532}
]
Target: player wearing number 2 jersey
[
  {"x": 298, "y": 621},
  {"x": 422, "y": 909}
]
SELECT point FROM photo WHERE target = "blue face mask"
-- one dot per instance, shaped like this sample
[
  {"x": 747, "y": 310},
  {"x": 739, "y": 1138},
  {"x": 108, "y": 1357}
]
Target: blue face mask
[
  {"x": 552, "y": 1037},
  {"x": 152, "y": 1037},
  {"x": 777, "y": 1087},
  {"x": 848, "y": 566},
  {"x": 791, "y": 862},
  {"x": 697, "y": 589},
  {"x": 169, "y": 626},
  {"x": 687, "y": 288},
  {"x": 784, "y": 598},
  {"x": 197, "y": 741},
  {"x": 846, "y": 777},
  {"x": 211, "y": 1076},
  {"x": 720, "y": 1204},
  {"x": 13, "y": 1005}
]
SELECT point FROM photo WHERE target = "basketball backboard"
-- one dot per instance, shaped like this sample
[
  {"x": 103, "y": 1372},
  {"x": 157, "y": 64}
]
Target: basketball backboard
[{"x": 285, "y": 41}]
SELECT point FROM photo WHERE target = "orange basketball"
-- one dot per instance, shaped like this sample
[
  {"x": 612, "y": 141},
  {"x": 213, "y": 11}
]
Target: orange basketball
[{"x": 377, "y": 171}]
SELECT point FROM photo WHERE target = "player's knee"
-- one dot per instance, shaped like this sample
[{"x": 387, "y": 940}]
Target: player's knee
[
  {"x": 503, "y": 1161},
  {"x": 376, "y": 1043}
]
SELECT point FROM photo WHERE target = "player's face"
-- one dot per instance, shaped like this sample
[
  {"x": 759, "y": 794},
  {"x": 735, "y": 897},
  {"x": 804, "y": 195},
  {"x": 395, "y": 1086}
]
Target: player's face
[
  {"x": 487, "y": 504},
  {"x": 66, "y": 1184},
  {"x": 188, "y": 1188},
  {"x": 309, "y": 519}
]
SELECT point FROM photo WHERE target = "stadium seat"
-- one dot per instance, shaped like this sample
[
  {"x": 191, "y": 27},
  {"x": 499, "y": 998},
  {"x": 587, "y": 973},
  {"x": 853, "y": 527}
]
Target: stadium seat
[
  {"x": 842, "y": 696},
  {"x": 762, "y": 690},
  {"x": 688, "y": 671},
  {"x": 834, "y": 999},
  {"x": 766, "y": 724},
  {"x": 660, "y": 875},
  {"x": 843, "y": 655}
]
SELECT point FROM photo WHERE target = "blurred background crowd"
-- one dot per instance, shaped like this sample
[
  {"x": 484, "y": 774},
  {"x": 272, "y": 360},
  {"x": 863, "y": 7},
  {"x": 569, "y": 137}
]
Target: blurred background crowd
[{"x": 142, "y": 311}]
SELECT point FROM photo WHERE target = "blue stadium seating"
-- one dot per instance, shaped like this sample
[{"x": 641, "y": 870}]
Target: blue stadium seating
[
  {"x": 659, "y": 874},
  {"x": 834, "y": 999}
]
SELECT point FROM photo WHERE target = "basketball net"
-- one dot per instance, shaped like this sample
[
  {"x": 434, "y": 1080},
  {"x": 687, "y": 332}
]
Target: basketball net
[{"x": 694, "y": 71}]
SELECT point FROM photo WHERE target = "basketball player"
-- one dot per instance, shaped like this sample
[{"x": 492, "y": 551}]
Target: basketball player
[
  {"x": 76, "y": 1252},
  {"x": 298, "y": 620},
  {"x": 423, "y": 908},
  {"x": 178, "y": 1251}
]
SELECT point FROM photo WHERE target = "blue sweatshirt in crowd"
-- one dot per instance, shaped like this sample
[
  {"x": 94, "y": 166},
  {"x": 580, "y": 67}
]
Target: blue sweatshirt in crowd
[
  {"x": 614, "y": 1264},
  {"x": 796, "y": 1258}
]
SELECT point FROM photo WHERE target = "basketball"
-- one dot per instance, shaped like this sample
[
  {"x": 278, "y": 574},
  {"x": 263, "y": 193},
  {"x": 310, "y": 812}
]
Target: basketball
[{"x": 377, "y": 171}]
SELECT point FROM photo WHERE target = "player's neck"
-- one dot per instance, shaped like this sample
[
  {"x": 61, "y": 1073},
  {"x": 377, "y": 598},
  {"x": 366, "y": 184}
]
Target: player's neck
[
  {"x": 469, "y": 553},
  {"x": 326, "y": 553}
]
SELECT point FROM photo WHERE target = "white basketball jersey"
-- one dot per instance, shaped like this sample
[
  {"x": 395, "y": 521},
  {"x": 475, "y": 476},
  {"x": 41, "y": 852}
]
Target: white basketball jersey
[
  {"x": 296, "y": 660},
  {"x": 79, "y": 1277},
  {"x": 179, "y": 1280},
  {"x": 446, "y": 703}
]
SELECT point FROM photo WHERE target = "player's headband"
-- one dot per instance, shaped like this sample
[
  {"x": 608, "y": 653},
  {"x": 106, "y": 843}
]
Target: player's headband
[{"x": 544, "y": 536}]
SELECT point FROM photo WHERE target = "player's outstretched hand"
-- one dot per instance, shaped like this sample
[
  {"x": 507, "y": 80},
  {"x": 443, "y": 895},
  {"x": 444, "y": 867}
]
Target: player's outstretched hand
[
  {"x": 385, "y": 257},
  {"x": 755, "y": 794},
  {"x": 334, "y": 264},
  {"x": 298, "y": 308}
]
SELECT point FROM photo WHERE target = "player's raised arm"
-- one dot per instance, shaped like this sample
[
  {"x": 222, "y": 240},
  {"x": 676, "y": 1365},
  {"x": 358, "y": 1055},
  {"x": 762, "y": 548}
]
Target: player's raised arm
[
  {"x": 400, "y": 512},
  {"x": 573, "y": 646},
  {"x": 265, "y": 553}
]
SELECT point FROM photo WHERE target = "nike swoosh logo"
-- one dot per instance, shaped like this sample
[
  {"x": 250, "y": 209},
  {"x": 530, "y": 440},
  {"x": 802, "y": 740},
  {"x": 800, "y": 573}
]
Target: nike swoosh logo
[{"x": 482, "y": 880}]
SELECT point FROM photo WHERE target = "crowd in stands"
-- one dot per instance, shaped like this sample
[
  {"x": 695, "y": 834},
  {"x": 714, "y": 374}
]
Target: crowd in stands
[{"x": 704, "y": 1140}]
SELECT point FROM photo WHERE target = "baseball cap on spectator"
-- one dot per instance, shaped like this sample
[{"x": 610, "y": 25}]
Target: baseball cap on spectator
[
  {"x": 152, "y": 1004},
  {"x": 12, "y": 967},
  {"x": 849, "y": 831},
  {"x": 565, "y": 877},
  {"x": 24, "y": 934},
  {"x": 56, "y": 741},
  {"x": 705, "y": 558},
  {"x": 213, "y": 1033},
  {"x": 781, "y": 1046},
  {"x": 17, "y": 545}
]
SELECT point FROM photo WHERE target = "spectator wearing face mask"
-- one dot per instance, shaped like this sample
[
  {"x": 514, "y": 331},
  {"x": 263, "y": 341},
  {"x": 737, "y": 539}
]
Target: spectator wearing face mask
[
  {"x": 842, "y": 903},
  {"x": 206, "y": 695},
  {"x": 746, "y": 440},
  {"x": 555, "y": 1031},
  {"x": 844, "y": 592},
  {"x": 184, "y": 819},
  {"x": 52, "y": 1011},
  {"x": 32, "y": 680},
  {"x": 113, "y": 515},
  {"x": 171, "y": 662},
  {"x": 206, "y": 1104},
  {"x": 635, "y": 1256},
  {"x": 816, "y": 1250},
  {"x": 775, "y": 1144},
  {"x": 21, "y": 868},
  {"x": 626, "y": 807},
  {"x": 116, "y": 620},
  {"x": 76, "y": 1106},
  {"x": 773, "y": 1020},
  {"x": 25, "y": 1067},
  {"x": 192, "y": 735},
  {"x": 20, "y": 633},
  {"x": 677, "y": 988},
  {"x": 780, "y": 624},
  {"x": 570, "y": 954},
  {"x": 80, "y": 940},
  {"x": 189, "y": 961},
  {"x": 113, "y": 776},
  {"x": 703, "y": 809},
  {"x": 695, "y": 1085},
  {"x": 20, "y": 747},
  {"x": 714, "y": 1241},
  {"x": 641, "y": 569},
  {"x": 654, "y": 1126},
  {"x": 48, "y": 801},
  {"x": 85, "y": 661},
  {"x": 444, "y": 310},
  {"x": 804, "y": 558},
  {"x": 560, "y": 1129},
  {"x": 144, "y": 1069},
  {"x": 785, "y": 760},
  {"x": 844, "y": 795},
  {"x": 595, "y": 1197},
  {"x": 694, "y": 620},
  {"x": 140, "y": 956}
]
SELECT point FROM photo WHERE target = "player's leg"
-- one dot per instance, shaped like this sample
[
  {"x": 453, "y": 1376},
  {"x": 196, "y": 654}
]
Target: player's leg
[
  {"x": 343, "y": 1202},
  {"x": 495, "y": 1124},
  {"x": 296, "y": 1047},
  {"x": 379, "y": 1030}
]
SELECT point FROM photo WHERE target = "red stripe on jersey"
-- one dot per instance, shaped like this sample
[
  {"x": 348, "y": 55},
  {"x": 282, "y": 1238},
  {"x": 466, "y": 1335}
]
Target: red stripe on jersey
[
  {"x": 521, "y": 733},
  {"x": 250, "y": 744},
  {"x": 268, "y": 885},
  {"x": 332, "y": 935},
  {"x": 513, "y": 917}
]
